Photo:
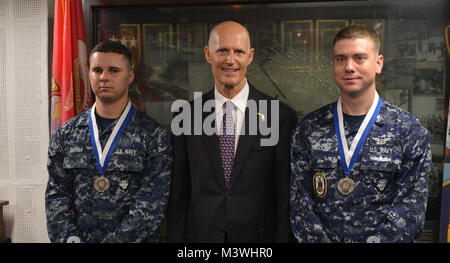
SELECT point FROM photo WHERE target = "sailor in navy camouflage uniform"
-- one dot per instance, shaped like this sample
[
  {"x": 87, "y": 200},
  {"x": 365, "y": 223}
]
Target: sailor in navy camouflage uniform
[
  {"x": 130, "y": 203},
  {"x": 387, "y": 187}
]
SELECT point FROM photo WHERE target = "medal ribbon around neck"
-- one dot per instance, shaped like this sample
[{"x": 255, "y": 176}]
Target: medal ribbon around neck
[
  {"x": 103, "y": 156},
  {"x": 348, "y": 156}
]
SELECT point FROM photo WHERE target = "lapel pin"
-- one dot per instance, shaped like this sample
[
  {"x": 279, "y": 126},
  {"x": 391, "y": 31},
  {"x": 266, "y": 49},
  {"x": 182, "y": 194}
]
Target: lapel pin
[{"x": 262, "y": 116}]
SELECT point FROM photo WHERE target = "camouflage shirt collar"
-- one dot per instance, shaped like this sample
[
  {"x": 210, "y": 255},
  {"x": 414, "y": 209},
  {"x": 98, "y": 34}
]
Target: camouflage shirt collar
[{"x": 327, "y": 116}]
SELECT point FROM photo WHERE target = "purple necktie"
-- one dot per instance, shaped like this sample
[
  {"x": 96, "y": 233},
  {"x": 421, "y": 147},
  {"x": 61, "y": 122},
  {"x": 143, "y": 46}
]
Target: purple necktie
[{"x": 226, "y": 142}]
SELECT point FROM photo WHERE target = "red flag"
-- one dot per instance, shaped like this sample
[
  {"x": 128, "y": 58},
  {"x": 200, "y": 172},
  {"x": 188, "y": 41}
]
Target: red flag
[{"x": 71, "y": 92}]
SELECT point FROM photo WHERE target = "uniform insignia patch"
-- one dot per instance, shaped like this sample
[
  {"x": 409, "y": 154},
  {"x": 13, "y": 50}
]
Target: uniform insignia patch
[{"x": 320, "y": 184}]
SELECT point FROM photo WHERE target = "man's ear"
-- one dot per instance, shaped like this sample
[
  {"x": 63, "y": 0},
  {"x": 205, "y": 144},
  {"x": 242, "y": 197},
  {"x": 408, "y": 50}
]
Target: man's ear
[
  {"x": 379, "y": 64},
  {"x": 252, "y": 52},
  {"x": 131, "y": 77},
  {"x": 207, "y": 54}
]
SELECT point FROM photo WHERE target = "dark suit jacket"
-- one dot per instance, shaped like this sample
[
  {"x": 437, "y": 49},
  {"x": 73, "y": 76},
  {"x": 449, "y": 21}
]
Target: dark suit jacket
[{"x": 254, "y": 208}]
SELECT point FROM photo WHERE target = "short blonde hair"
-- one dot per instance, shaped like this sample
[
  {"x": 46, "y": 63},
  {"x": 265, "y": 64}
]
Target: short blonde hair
[{"x": 358, "y": 31}]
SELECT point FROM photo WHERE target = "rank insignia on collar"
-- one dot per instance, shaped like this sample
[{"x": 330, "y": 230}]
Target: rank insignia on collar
[{"x": 320, "y": 184}]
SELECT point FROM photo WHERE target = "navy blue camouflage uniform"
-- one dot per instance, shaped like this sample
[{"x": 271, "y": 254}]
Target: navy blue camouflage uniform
[
  {"x": 132, "y": 209},
  {"x": 389, "y": 201}
]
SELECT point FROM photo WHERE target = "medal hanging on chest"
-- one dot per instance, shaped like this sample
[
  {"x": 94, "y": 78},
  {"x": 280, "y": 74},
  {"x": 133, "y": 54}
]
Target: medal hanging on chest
[
  {"x": 101, "y": 184},
  {"x": 348, "y": 156}
]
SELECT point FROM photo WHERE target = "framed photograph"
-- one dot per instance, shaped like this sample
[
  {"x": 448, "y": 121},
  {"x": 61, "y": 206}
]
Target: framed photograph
[
  {"x": 262, "y": 35},
  {"x": 191, "y": 39},
  {"x": 297, "y": 41},
  {"x": 377, "y": 25},
  {"x": 431, "y": 49},
  {"x": 157, "y": 36},
  {"x": 428, "y": 81},
  {"x": 407, "y": 49},
  {"x": 399, "y": 96},
  {"x": 325, "y": 32},
  {"x": 398, "y": 72},
  {"x": 157, "y": 40},
  {"x": 435, "y": 49}
]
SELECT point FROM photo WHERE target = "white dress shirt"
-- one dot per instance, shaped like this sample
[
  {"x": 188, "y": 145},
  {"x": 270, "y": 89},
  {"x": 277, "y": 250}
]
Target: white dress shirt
[{"x": 240, "y": 103}]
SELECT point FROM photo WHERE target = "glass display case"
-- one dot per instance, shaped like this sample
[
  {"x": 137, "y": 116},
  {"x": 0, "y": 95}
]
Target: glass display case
[{"x": 293, "y": 49}]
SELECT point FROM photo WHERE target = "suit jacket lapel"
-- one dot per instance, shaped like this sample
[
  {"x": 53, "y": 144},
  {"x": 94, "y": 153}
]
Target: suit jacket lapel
[
  {"x": 211, "y": 144},
  {"x": 245, "y": 142}
]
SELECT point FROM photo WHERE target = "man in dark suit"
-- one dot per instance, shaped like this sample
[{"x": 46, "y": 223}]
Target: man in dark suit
[{"x": 233, "y": 185}]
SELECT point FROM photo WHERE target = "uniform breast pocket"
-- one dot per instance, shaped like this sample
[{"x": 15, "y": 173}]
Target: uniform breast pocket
[
  {"x": 324, "y": 161},
  {"x": 126, "y": 163},
  {"x": 77, "y": 160},
  {"x": 323, "y": 173},
  {"x": 125, "y": 174},
  {"x": 384, "y": 155},
  {"x": 381, "y": 164}
]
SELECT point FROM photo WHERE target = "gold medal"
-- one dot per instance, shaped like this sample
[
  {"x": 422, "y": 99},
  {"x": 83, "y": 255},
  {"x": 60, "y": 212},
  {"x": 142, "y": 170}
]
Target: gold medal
[
  {"x": 346, "y": 186},
  {"x": 101, "y": 184}
]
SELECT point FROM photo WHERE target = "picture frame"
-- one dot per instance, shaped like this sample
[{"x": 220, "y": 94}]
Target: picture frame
[
  {"x": 406, "y": 49},
  {"x": 262, "y": 34},
  {"x": 428, "y": 81},
  {"x": 157, "y": 42},
  {"x": 191, "y": 39},
  {"x": 398, "y": 71},
  {"x": 325, "y": 32},
  {"x": 297, "y": 41},
  {"x": 157, "y": 36},
  {"x": 431, "y": 49}
]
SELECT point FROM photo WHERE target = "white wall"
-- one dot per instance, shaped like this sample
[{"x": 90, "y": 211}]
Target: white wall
[{"x": 24, "y": 117}]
